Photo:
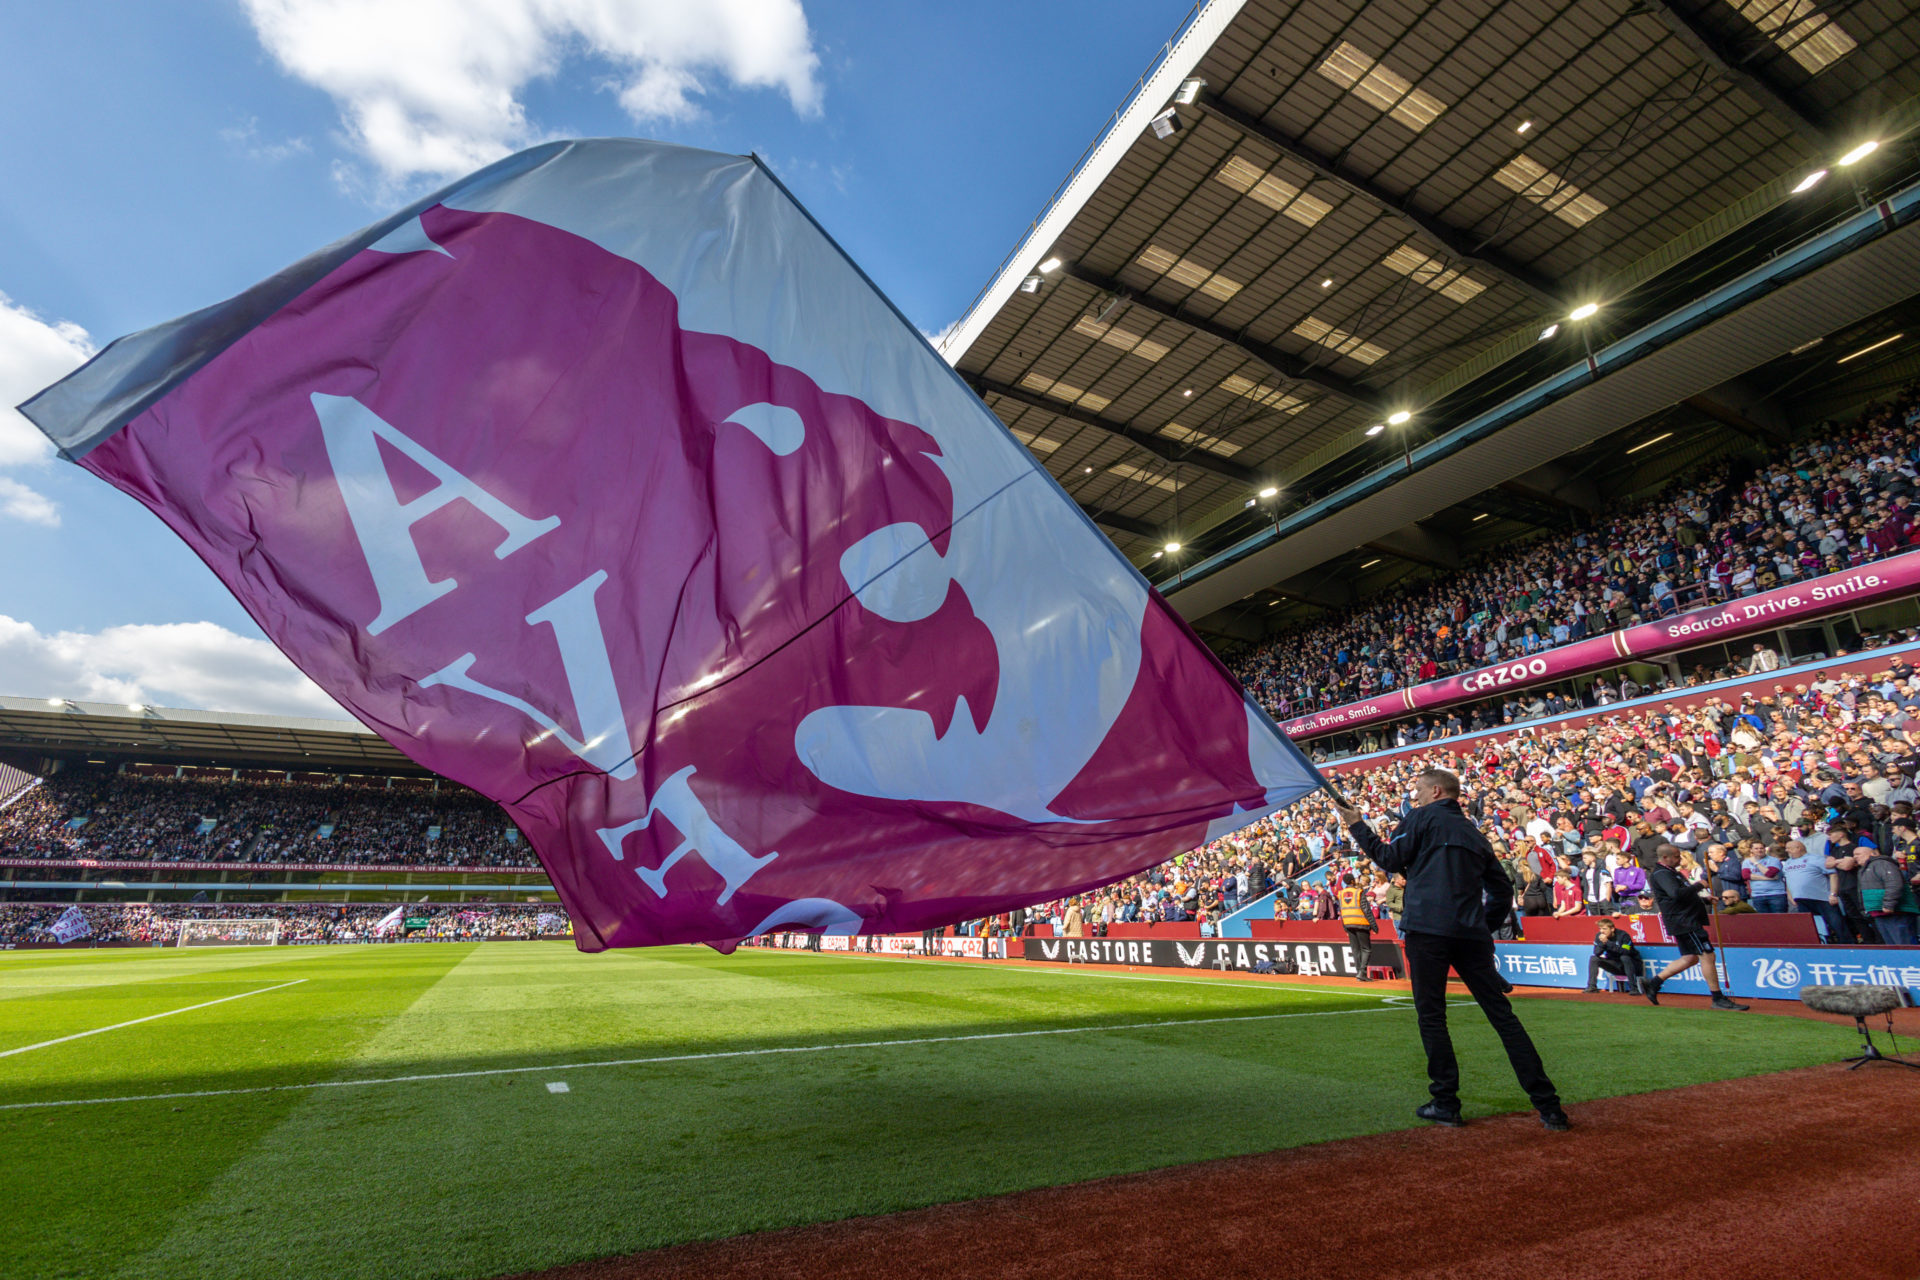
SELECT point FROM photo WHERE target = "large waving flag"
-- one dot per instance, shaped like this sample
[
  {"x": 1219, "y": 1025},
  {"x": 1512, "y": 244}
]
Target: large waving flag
[
  {"x": 71, "y": 924},
  {"x": 603, "y": 483}
]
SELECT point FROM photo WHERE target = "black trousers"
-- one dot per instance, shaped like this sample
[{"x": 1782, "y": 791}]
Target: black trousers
[
  {"x": 1632, "y": 968},
  {"x": 1362, "y": 940},
  {"x": 1429, "y": 956}
]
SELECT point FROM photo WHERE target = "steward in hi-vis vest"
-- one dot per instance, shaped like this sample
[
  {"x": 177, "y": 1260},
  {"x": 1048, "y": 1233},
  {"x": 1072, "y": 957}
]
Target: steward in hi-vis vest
[{"x": 1356, "y": 917}]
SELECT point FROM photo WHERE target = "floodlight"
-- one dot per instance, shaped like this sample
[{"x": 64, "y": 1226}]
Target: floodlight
[
  {"x": 1860, "y": 152},
  {"x": 1189, "y": 90},
  {"x": 1166, "y": 124},
  {"x": 1376, "y": 428},
  {"x": 1584, "y": 310},
  {"x": 1811, "y": 181},
  {"x": 1270, "y": 492},
  {"x": 1398, "y": 417}
]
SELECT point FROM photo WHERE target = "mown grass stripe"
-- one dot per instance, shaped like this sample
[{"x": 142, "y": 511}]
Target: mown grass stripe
[
  {"x": 131, "y": 1022},
  {"x": 690, "y": 1057}
]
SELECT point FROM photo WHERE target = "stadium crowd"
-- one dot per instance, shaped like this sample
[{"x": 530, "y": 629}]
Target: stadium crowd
[
  {"x": 85, "y": 813},
  {"x": 300, "y": 922},
  {"x": 1801, "y": 798},
  {"x": 1734, "y": 529}
]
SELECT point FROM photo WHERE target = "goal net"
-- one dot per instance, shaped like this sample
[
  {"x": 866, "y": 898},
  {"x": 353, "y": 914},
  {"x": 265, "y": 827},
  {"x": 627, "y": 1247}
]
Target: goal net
[{"x": 229, "y": 933}]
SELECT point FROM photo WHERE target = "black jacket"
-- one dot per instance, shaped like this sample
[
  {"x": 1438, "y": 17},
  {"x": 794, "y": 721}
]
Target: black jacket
[
  {"x": 1613, "y": 949},
  {"x": 1679, "y": 901},
  {"x": 1455, "y": 886}
]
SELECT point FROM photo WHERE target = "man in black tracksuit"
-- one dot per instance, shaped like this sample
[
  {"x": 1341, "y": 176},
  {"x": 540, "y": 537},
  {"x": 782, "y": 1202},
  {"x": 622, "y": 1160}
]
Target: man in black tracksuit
[
  {"x": 1683, "y": 910},
  {"x": 1456, "y": 895}
]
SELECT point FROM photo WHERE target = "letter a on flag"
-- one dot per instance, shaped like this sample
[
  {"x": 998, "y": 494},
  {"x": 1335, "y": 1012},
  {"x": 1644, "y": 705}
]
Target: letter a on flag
[{"x": 603, "y": 483}]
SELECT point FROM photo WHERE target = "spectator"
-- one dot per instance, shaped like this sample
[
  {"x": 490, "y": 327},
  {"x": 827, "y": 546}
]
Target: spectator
[
  {"x": 1614, "y": 952},
  {"x": 1887, "y": 896}
]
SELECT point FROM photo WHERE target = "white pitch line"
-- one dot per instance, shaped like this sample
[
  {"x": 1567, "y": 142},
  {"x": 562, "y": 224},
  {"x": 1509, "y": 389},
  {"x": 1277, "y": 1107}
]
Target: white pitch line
[
  {"x": 81, "y": 1035},
  {"x": 694, "y": 1057}
]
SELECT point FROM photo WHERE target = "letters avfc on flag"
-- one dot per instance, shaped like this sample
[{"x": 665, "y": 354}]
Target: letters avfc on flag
[{"x": 601, "y": 482}]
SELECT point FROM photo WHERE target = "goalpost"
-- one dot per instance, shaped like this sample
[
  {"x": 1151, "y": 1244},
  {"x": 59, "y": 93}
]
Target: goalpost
[{"x": 229, "y": 933}]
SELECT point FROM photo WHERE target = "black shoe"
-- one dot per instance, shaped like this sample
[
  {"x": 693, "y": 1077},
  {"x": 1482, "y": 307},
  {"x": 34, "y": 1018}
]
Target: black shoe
[
  {"x": 1555, "y": 1119},
  {"x": 1433, "y": 1111},
  {"x": 1720, "y": 1001},
  {"x": 1589, "y": 991},
  {"x": 1506, "y": 987},
  {"x": 1651, "y": 990}
]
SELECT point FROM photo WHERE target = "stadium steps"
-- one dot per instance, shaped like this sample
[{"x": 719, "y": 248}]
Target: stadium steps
[{"x": 15, "y": 784}]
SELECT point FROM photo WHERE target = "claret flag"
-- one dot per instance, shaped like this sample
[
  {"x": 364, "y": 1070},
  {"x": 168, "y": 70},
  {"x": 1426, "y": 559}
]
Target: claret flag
[{"x": 603, "y": 483}]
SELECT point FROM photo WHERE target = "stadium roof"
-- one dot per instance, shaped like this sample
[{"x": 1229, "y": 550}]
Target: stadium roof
[
  {"x": 1364, "y": 208},
  {"x": 116, "y": 731}
]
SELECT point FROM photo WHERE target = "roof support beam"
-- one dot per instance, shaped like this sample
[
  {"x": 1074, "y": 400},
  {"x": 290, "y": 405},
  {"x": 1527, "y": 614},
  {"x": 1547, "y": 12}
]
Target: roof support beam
[
  {"x": 1556, "y": 483},
  {"x": 1287, "y": 365},
  {"x": 1158, "y": 446},
  {"x": 1738, "y": 405},
  {"x": 1707, "y": 45},
  {"x": 1124, "y": 524},
  {"x": 1318, "y": 592},
  {"x": 1419, "y": 544},
  {"x": 1453, "y": 243}
]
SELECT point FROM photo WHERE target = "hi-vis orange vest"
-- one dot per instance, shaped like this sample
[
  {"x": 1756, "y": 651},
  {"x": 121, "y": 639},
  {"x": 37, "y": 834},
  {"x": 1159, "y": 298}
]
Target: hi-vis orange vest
[{"x": 1353, "y": 911}]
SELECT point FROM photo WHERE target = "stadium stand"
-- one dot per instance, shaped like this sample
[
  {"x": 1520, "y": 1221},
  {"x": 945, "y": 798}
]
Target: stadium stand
[
  {"x": 1728, "y": 530},
  {"x": 25, "y": 923},
  {"x": 98, "y": 814},
  {"x": 1747, "y": 788}
]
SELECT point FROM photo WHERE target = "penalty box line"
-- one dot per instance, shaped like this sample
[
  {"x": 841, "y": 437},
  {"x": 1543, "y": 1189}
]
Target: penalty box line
[
  {"x": 694, "y": 1057},
  {"x": 132, "y": 1022}
]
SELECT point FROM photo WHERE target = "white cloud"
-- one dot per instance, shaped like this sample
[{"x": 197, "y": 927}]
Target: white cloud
[
  {"x": 247, "y": 140},
  {"x": 18, "y": 502},
  {"x": 33, "y": 354},
  {"x": 433, "y": 86},
  {"x": 199, "y": 665}
]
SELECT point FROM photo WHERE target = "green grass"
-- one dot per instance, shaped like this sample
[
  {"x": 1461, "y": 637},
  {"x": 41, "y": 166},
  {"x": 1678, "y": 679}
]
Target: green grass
[{"x": 489, "y": 1174}]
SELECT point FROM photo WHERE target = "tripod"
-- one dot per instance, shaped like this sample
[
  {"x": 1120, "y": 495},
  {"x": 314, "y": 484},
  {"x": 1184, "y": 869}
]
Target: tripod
[{"x": 1869, "y": 1052}]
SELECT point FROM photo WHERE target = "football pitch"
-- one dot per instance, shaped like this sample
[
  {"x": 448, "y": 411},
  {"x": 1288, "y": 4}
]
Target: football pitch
[{"x": 467, "y": 1110}]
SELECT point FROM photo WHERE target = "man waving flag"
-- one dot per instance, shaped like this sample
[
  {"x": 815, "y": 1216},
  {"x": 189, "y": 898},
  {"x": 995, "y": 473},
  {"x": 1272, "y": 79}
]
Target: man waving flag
[
  {"x": 603, "y": 483},
  {"x": 387, "y": 923}
]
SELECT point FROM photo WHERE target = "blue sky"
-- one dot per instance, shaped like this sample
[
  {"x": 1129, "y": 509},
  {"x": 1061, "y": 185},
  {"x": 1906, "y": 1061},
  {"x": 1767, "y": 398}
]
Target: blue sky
[{"x": 161, "y": 157}]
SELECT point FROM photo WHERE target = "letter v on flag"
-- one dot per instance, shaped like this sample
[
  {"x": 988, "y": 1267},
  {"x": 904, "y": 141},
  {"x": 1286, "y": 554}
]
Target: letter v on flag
[{"x": 603, "y": 483}]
